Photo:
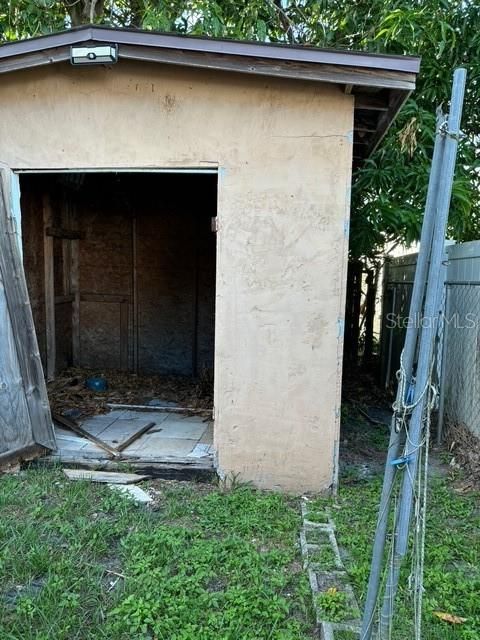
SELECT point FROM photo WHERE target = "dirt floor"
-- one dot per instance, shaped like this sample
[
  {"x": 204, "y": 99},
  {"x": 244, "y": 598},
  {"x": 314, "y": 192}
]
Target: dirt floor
[
  {"x": 365, "y": 424},
  {"x": 365, "y": 430}
]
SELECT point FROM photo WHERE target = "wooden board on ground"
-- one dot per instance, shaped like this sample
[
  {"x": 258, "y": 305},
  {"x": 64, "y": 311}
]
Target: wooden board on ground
[
  {"x": 134, "y": 436},
  {"x": 76, "y": 428},
  {"x": 109, "y": 477},
  {"x": 150, "y": 408}
]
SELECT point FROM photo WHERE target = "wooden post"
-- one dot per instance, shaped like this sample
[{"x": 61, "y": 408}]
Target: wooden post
[
  {"x": 66, "y": 256},
  {"x": 134, "y": 294},
  {"x": 49, "y": 287},
  {"x": 124, "y": 313},
  {"x": 196, "y": 286},
  {"x": 370, "y": 299},
  {"x": 75, "y": 285},
  {"x": 69, "y": 237}
]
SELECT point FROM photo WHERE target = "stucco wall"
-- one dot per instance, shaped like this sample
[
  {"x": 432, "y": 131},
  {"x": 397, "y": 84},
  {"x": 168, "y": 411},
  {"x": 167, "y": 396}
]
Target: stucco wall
[{"x": 283, "y": 149}]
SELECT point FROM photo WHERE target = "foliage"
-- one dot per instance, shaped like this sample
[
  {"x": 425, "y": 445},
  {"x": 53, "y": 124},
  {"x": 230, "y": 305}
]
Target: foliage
[
  {"x": 333, "y": 605},
  {"x": 183, "y": 585},
  {"x": 78, "y": 561},
  {"x": 323, "y": 557},
  {"x": 452, "y": 574},
  {"x": 389, "y": 191}
]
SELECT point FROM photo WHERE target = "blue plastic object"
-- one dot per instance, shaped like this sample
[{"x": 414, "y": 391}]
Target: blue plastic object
[
  {"x": 402, "y": 460},
  {"x": 96, "y": 384},
  {"x": 411, "y": 392}
]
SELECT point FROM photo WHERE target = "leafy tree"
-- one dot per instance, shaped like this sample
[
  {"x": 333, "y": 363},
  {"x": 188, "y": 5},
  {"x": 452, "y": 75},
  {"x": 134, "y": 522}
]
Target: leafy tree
[{"x": 389, "y": 191}]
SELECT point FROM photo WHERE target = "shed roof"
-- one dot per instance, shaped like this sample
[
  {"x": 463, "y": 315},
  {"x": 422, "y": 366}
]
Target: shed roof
[{"x": 380, "y": 83}]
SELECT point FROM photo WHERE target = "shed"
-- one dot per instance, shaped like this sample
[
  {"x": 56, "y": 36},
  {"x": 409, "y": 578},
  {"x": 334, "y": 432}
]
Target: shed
[{"x": 180, "y": 209}]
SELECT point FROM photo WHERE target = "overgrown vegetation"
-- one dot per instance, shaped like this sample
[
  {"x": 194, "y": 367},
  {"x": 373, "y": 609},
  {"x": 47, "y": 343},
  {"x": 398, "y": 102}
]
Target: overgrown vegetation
[
  {"x": 452, "y": 571},
  {"x": 333, "y": 605},
  {"x": 452, "y": 562},
  {"x": 78, "y": 561}
]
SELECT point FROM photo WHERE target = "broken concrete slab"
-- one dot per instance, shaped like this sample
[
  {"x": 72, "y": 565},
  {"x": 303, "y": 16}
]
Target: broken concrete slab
[
  {"x": 200, "y": 450},
  {"x": 138, "y": 494}
]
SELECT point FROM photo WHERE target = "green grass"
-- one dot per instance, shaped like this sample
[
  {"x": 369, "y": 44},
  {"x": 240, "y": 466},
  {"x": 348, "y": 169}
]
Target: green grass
[
  {"x": 452, "y": 563},
  {"x": 317, "y": 516},
  {"x": 324, "y": 557},
  {"x": 78, "y": 561}
]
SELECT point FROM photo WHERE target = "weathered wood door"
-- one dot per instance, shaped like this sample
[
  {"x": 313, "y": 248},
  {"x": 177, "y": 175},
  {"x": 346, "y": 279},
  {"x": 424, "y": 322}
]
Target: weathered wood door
[{"x": 26, "y": 429}]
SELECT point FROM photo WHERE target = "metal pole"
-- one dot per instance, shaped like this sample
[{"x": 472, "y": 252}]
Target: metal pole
[
  {"x": 427, "y": 336},
  {"x": 408, "y": 358}
]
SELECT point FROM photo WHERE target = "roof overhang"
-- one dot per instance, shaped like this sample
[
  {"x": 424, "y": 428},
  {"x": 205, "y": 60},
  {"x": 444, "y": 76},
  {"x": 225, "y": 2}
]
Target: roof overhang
[{"x": 380, "y": 83}]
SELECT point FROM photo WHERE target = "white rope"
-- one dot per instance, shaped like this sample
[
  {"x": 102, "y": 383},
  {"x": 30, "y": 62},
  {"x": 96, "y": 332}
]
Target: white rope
[
  {"x": 400, "y": 405},
  {"x": 376, "y": 611},
  {"x": 403, "y": 410},
  {"x": 419, "y": 487},
  {"x": 422, "y": 522}
]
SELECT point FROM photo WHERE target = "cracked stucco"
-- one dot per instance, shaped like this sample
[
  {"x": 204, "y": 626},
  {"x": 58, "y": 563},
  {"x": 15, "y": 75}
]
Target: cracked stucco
[{"x": 284, "y": 151}]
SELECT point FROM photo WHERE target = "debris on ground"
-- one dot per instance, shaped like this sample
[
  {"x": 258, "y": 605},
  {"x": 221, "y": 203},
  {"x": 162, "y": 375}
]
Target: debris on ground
[
  {"x": 68, "y": 392},
  {"x": 362, "y": 387},
  {"x": 464, "y": 451},
  {"x": 131, "y": 490},
  {"x": 72, "y": 425},
  {"x": 365, "y": 424},
  {"x": 109, "y": 477},
  {"x": 31, "y": 590}
]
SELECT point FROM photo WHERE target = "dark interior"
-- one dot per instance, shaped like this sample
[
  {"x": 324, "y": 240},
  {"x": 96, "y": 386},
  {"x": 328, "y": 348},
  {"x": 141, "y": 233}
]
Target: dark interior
[{"x": 126, "y": 261}]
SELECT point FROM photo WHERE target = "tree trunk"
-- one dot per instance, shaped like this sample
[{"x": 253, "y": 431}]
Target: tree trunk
[
  {"x": 352, "y": 312},
  {"x": 84, "y": 11},
  {"x": 371, "y": 281}
]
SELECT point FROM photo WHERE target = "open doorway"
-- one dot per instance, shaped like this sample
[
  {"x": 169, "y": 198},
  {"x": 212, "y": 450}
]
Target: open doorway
[{"x": 120, "y": 269}]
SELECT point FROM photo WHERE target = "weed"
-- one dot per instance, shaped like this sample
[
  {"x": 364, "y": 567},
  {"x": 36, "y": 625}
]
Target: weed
[
  {"x": 333, "y": 605},
  {"x": 317, "y": 516},
  {"x": 324, "y": 557},
  {"x": 452, "y": 573},
  {"x": 232, "y": 482}
]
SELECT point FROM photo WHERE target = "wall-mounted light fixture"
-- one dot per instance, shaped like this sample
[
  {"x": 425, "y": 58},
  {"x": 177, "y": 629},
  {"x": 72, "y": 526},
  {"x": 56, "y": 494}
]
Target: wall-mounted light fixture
[{"x": 94, "y": 54}]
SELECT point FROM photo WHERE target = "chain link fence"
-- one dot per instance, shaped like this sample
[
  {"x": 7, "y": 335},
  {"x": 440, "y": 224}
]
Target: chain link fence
[
  {"x": 460, "y": 377},
  {"x": 457, "y": 350}
]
